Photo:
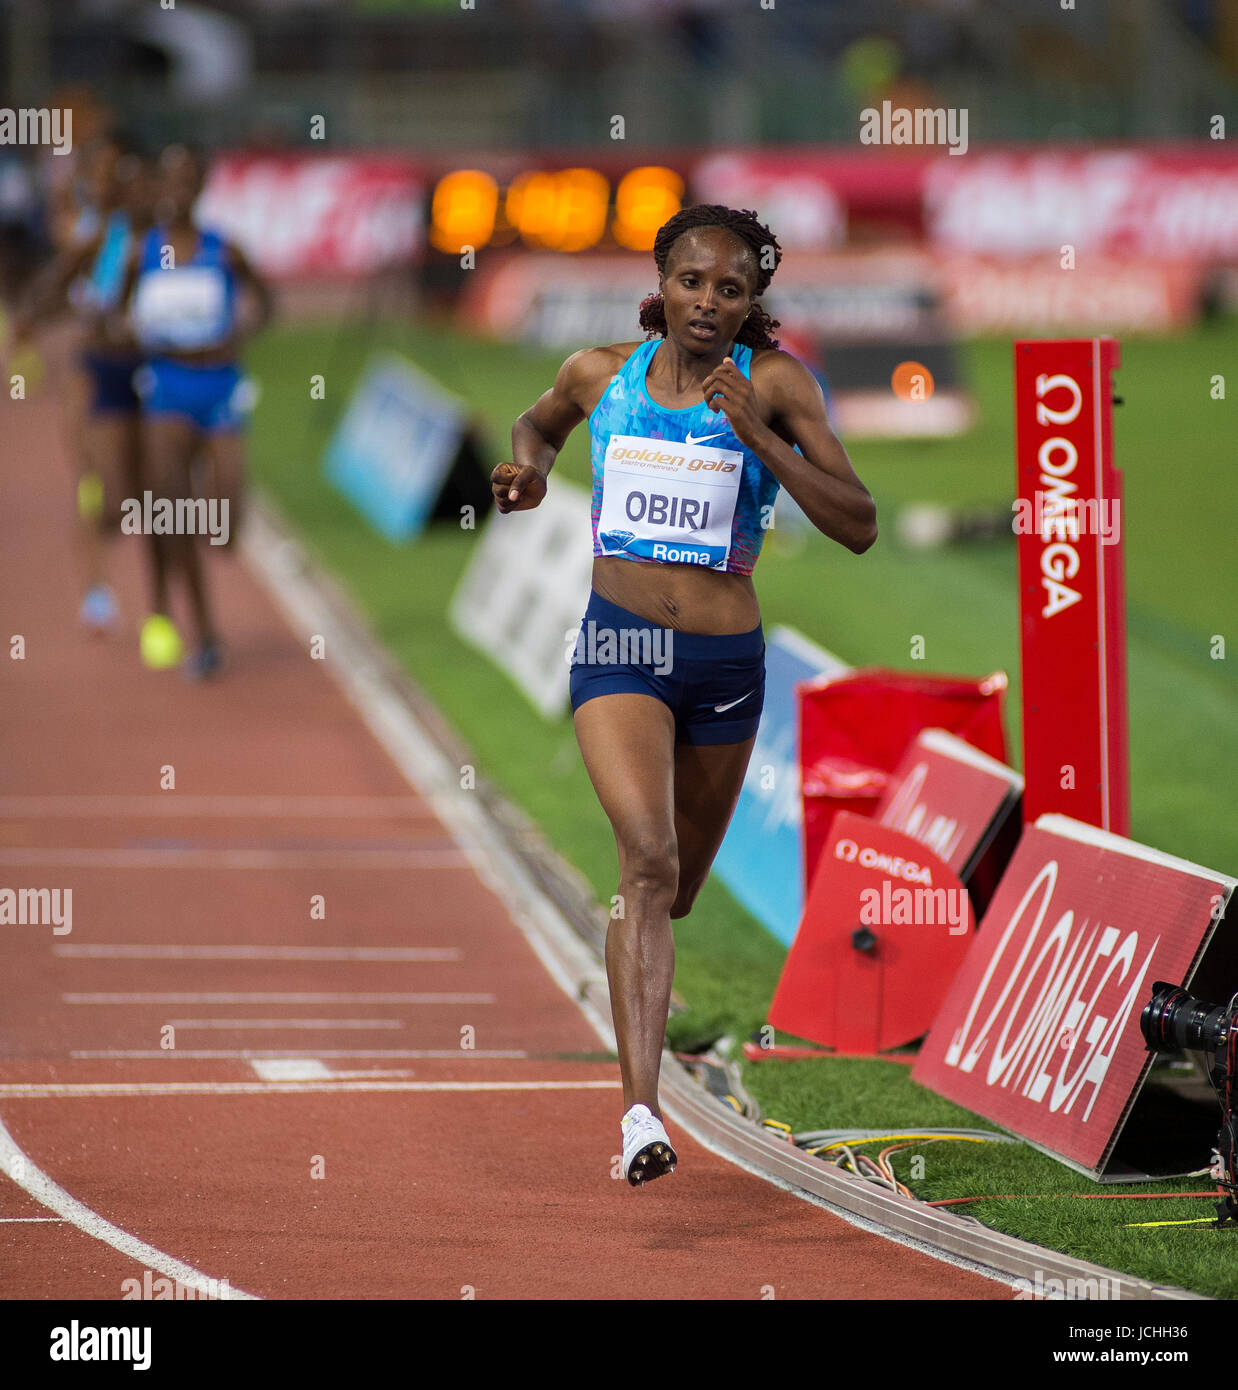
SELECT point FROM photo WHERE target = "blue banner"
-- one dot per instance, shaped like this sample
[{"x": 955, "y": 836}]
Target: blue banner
[
  {"x": 690, "y": 553},
  {"x": 762, "y": 857},
  {"x": 392, "y": 451}
]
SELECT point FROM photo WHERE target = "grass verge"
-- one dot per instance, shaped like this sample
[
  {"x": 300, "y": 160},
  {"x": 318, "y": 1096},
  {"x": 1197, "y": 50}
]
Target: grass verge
[{"x": 1171, "y": 444}]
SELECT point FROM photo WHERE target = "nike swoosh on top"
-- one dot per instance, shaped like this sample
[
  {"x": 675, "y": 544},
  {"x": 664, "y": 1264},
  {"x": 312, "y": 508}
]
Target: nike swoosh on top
[
  {"x": 719, "y": 708},
  {"x": 704, "y": 437}
]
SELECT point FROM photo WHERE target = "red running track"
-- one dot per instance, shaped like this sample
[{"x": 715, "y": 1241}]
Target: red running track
[{"x": 191, "y": 910}]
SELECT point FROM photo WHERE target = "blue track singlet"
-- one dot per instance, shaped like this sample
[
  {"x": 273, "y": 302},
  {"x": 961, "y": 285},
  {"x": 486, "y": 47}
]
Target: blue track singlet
[
  {"x": 106, "y": 279},
  {"x": 110, "y": 368},
  {"x": 675, "y": 486},
  {"x": 188, "y": 307}
]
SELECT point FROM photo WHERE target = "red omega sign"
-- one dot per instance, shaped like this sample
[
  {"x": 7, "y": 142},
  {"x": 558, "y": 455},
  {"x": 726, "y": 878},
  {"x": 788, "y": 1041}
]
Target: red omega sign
[{"x": 1072, "y": 609}]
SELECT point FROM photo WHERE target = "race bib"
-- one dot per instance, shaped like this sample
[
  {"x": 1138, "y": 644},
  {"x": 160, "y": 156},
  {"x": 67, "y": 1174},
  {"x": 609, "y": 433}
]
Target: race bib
[
  {"x": 667, "y": 501},
  {"x": 184, "y": 308}
]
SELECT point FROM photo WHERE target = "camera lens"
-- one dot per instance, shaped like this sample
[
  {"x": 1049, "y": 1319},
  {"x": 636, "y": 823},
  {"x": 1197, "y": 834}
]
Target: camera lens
[{"x": 1172, "y": 1018}]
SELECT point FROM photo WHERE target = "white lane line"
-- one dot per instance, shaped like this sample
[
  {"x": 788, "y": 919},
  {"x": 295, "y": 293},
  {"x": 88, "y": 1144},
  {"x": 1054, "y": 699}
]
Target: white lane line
[
  {"x": 334, "y": 1073},
  {"x": 285, "y": 1023},
  {"x": 17, "y": 1164},
  {"x": 281, "y": 807},
  {"x": 259, "y": 997},
  {"x": 425, "y": 953},
  {"x": 234, "y": 859},
  {"x": 194, "y": 1055},
  {"x": 17, "y": 1220},
  {"x": 294, "y": 1069},
  {"x": 110, "y": 1089}
]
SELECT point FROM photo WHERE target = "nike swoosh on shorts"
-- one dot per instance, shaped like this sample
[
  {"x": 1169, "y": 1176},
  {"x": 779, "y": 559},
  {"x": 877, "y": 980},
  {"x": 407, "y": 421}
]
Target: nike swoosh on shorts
[{"x": 718, "y": 709}]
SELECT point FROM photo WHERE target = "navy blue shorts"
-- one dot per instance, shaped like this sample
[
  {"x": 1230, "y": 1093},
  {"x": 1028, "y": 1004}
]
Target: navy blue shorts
[
  {"x": 111, "y": 383},
  {"x": 714, "y": 684},
  {"x": 216, "y": 398}
]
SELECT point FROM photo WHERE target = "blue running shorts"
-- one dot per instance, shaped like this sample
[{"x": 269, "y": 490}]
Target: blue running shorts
[
  {"x": 111, "y": 383},
  {"x": 714, "y": 684},
  {"x": 216, "y": 398}
]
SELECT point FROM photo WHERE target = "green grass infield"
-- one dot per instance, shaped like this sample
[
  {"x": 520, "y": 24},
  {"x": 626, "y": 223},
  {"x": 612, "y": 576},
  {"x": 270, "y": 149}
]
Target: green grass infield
[{"x": 1175, "y": 446}]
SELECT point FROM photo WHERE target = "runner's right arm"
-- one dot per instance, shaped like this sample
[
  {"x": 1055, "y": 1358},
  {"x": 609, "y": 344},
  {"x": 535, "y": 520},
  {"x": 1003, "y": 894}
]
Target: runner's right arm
[
  {"x": 116, "y": 324},
  {"x": 45, "y": 294},
  {"x": 539, "y": 434}
]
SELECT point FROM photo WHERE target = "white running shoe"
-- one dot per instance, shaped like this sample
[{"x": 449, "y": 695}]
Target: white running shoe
[{"x": 647, "y": 1152}]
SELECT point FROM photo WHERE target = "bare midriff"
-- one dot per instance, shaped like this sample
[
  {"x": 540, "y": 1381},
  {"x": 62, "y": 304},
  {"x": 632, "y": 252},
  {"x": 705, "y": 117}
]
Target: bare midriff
[{"x": 688, "y": 598}]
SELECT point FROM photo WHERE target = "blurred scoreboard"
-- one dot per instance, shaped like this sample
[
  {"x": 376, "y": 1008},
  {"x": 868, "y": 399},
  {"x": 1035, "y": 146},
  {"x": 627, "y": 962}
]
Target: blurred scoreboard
[
  {"x": 1152, "y": 227},
  {"x": 553, "y": 210}
]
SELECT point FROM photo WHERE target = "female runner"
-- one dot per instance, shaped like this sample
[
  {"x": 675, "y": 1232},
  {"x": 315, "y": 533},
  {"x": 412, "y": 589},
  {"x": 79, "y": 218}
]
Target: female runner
[
  {"x": 186, "y": 284},
  {"x": 88, "y": 273},
  {"x": 692, "y": 436}
]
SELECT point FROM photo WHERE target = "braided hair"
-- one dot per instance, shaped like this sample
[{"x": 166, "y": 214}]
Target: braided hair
[{"x": 757, "y": 329}]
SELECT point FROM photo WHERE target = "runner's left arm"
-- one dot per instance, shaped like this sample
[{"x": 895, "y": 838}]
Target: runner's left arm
[
  {"x": 117, "y": 325},
  {"x": 259, "y": 290},
  {"x": 786, "y": 408},
  {"x": 46, "y": 292}
]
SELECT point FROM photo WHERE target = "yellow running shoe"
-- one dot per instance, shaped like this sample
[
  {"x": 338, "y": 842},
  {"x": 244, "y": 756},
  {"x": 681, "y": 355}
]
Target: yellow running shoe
[
  {"x": 90, "y": 497},
  {"x": 161, "y": 644}
]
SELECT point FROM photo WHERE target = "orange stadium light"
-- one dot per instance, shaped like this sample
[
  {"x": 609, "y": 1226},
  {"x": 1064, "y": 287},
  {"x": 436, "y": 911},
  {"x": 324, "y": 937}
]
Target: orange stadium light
[
  {"x": 563, "y": 211},
  {"x": 529, "y": 205},
  {"x": 462, "y": 211},
  {"x": 645, "y": 199},
  {"x": 584, "y": 196}
]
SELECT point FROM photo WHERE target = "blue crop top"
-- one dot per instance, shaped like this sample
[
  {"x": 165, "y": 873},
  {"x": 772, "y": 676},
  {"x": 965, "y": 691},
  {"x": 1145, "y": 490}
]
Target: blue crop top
[{"x": 675, "y": 486}]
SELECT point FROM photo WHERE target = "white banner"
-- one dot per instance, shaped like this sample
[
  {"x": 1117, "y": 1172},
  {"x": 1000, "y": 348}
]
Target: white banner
[{"x": 526, "y": 587}]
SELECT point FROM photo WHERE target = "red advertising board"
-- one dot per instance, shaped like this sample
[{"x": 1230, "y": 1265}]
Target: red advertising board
[
  {"x": 1171, "y": 202},
  {"x": 1072, "y": 609},
  {"x": 998, "y": 295},
  {"x": 900, "y": 875},
  {"x": 300, "y": 215},
  {"x": 885, "y": 927},
  {"x": 855, "y": 729},
  {"x": 949, "y": 796},
  {"x": 1154, "y": 202},
  {"x": 1140, "y": 220},
  {"x": 849, "y": 296},
  {"x": 1040, "y": 1029}
]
